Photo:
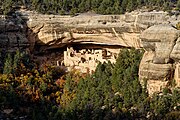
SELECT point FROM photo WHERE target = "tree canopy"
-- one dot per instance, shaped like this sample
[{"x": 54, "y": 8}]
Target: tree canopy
[
  {"x": 79, "y": 6},
  {"x": 112, "y": 92}
]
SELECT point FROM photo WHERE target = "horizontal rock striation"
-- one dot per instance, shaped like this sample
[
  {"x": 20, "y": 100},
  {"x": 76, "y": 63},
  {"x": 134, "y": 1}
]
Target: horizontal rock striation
[
  {"x": 159, "y": 63},
  {"x": 12, "y": 34},
  {"x": 56, "y": 31},
  {"x": 154, "y": 31}
]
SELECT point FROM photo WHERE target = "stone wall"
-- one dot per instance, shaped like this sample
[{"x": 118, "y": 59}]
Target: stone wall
[{"x": 86, "y": 60}]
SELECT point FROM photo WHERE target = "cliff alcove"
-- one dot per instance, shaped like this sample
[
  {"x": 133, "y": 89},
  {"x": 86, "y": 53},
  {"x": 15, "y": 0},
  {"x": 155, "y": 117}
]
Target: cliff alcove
[{"x": 48, "y": 36}]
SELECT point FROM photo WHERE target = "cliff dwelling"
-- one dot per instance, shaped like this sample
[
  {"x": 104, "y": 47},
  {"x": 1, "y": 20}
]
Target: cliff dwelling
[{"x": 86, "y": 57}]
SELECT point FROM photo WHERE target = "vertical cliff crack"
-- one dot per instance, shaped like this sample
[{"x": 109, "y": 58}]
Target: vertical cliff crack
[
  {"x": 174, "y": 43},
  {"x": 55, "y": 33},
  {"x": 39, "y": 29},
  {"x": 18, "y": 43},
  {"x": 120, "y": 38}
]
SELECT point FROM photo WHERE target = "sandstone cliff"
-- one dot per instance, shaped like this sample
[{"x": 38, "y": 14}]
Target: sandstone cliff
[
  {"x": 55, "y": 31},
  {"x": 160, "y": 62},
  {"x": 124, "y": 30}
]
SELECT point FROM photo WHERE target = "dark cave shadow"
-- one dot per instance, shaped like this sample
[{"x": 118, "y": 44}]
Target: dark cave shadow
[{"x": 40, "y": 51}]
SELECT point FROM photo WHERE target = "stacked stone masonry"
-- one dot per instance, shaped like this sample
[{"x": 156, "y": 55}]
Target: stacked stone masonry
[{"x": 86, "y": 60}]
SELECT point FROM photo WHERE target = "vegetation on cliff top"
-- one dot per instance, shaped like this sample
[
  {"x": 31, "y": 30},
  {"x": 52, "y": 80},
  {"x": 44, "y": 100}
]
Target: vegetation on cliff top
[
  {"x": 79, "y": 6},
  {"x": 111, "y": 92}
]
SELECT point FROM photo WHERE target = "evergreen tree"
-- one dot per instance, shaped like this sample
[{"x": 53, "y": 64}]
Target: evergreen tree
[
  {"x": 125, "y": 76},
  {"x": 8, "y": 65},
  {"x": 99, "y": 6},
  {"x": 16, "y": 61},
  {"x": 178, "y": 5},
  {"x": 130, "y": 5}
]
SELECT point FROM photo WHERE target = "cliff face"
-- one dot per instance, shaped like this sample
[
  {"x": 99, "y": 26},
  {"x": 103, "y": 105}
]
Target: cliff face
[
  {"x": 160, "y": 61},
  {"x": 153, "y": 31},
  {"x": 55, "y": 31},
  {"x": 124, "y": 30},
  {"x": 12, "y": 34},
  {"x": 159, "y": 65}
]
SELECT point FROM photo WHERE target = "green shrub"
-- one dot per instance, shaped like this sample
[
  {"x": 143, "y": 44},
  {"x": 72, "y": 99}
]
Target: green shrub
[
  {"x": 174, "y": 115},
  {"x": 178, "y": 25}
]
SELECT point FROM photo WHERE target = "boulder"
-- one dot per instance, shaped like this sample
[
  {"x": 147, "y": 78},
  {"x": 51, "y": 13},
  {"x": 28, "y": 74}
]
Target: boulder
[{"x": 160, "y": 39}]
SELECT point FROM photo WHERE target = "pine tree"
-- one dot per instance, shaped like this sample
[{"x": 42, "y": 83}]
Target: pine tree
[
  {"x": 178, "y": 5},
  {"x": 16, "y": 59},
  {"x": 8, "y": 65}
]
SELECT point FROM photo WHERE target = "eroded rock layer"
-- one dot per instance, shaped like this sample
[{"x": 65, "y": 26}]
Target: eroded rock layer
[
  {"x": 154, "y": 31},
  {"x": 159, "y": 65},
  {"x": 57, "y": 31},
  {"x": 12, "y": 34}
]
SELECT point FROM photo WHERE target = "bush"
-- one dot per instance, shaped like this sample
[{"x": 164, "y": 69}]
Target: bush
[
  {"x": 174, "y": 115},
  {"x": 178, "y": 25}
]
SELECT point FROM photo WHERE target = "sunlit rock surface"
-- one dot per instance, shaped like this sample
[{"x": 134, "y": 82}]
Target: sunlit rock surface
[
  {"x": 159, "y": 65},
  {"x": 153, "y": 31}
]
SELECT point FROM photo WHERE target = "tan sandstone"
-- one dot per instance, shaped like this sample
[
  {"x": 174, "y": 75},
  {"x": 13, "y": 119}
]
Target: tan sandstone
[
  {"x": 99, "y": 33},
  {"x": 158, "y": 63}
]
